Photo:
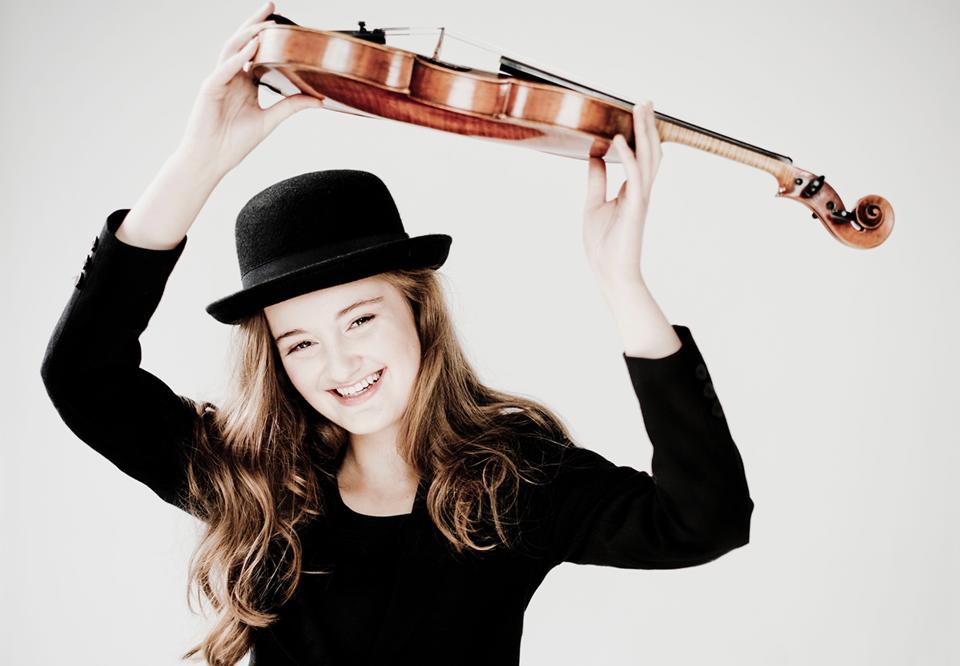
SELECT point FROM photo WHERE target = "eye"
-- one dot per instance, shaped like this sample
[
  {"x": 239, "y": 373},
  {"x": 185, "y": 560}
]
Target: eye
[
  {"x": 297, "y": 347},
  {"x": 363, "y": 318}
]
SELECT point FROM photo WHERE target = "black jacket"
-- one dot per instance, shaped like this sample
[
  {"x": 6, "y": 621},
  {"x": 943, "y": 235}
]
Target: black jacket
[{"x": 441, "y": 609}]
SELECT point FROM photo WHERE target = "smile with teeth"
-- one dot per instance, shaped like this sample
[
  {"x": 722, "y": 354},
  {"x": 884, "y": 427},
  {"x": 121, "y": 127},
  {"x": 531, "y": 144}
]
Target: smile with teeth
[{"x": 361, "y": 386}]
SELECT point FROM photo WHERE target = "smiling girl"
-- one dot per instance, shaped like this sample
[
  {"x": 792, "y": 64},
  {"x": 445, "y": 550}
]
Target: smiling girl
[{"x": 365, "y": 498}]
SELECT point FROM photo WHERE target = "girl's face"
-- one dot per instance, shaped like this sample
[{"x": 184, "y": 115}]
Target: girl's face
[{"x": 325, "y": 342}]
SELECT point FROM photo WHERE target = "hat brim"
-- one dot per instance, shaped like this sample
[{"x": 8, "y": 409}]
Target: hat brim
[{"x": 427, "y": 251}]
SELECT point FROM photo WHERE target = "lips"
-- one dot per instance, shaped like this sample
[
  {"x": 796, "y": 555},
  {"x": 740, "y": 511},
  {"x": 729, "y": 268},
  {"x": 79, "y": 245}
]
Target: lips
[
  {"x": 370, "y": 390},
  {"x": 346, "y": 386}
]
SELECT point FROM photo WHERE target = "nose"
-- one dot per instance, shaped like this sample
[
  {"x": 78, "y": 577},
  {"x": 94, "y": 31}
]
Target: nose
[{"x": 342, "y": 366}]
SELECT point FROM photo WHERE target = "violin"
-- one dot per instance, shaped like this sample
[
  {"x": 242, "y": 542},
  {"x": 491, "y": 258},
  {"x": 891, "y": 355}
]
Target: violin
[{"x": 354, "y": 71}]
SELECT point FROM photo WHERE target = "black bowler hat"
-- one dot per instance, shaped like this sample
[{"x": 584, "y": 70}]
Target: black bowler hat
[{"x": 318, "y": 230}]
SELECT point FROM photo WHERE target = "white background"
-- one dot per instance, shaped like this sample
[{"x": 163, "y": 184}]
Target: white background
[{"x": 837, "y": 368}]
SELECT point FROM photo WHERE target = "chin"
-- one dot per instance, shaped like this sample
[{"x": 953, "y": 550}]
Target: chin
[
  {"x": 364, "y": 422},
  {"x": 362, "y": 426}
]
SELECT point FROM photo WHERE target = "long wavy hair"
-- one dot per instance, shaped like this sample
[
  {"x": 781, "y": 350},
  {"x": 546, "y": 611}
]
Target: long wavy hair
[{"x": 255, "y": 471}]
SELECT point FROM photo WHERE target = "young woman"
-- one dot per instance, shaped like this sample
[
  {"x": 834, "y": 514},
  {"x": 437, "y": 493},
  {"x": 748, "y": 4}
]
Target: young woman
[{"x": 365, "y": 498}]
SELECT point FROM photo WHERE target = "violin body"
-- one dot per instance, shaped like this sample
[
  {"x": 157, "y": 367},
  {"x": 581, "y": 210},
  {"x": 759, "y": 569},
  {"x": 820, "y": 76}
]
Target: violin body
[
  {"x": 356, "y": 72},
  {"x": 367, "y": 78}
]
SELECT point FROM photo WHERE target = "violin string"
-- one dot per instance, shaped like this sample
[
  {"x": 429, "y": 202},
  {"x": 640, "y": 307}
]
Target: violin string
[{"x": 426, "y": 30}]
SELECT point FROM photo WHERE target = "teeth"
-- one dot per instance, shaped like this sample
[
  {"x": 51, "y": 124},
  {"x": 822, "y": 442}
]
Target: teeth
[{"x": 360, "y": 386}]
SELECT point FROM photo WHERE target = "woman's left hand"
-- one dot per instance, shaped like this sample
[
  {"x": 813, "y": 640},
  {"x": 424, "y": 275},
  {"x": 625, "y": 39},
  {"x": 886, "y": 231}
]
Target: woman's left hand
[{"x": 613, "y": 230}]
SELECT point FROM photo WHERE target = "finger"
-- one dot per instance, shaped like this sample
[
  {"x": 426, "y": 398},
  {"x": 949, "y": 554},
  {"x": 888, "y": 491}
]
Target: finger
[
  {"x": 623, "y": 190},
  {"x": 288, "y": 106},
  {"x": 630, "y": 166},
  {"x": 642, "y": 142},
  {"x": 259, "y": 15},
  {"x": 241, "y": 37},
  {"x": 229, "y": 67},
  {"x": 596, "y": 182},
  {"x": 654, "y": 138}
]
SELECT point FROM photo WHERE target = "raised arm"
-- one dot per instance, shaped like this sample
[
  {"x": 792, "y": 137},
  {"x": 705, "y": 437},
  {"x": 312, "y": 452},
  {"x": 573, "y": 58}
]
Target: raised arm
[
  {"x": 696, "y": 505},
  {"x": 91, "y": 367}
]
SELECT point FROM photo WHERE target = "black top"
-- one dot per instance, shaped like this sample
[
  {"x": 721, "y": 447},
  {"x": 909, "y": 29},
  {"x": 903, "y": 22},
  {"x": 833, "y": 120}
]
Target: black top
[
  {"x": 367, "y": 548},
  {"x": 396, "y": 592}
]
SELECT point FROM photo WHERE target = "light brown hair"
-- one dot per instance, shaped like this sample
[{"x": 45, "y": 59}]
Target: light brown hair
[{"x": 254, "y": 475}]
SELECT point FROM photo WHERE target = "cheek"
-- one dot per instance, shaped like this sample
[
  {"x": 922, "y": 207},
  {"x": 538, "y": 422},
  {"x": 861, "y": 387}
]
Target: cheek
[
  {"x": 299, "y": 376},
  {"x": 403, "y": 346}
]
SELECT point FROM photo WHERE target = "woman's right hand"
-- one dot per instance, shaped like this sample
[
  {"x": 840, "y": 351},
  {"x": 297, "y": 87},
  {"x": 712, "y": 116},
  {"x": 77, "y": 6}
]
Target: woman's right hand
[{"x": 227, "y": 122}]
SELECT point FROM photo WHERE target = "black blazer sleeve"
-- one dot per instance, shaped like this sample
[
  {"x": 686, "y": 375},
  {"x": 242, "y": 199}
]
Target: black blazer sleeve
[
  {"x": 91, "y": 367},
  {"x": 696, "y": 505}
]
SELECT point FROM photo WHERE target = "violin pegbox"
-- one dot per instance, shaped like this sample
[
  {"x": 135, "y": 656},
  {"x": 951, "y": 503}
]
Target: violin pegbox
[{"x": 866, "y": 226}]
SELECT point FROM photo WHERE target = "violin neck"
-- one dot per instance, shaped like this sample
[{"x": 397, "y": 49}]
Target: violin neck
[{"x": 669, "y": 128}]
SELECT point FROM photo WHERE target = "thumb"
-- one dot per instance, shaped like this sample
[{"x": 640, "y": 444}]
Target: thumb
[
  {"x": 288, "y": 106},
  {"x": 596, "y": 182}
]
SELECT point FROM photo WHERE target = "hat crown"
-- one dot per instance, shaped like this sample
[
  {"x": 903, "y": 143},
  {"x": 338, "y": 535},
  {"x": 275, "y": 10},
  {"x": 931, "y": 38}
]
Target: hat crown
[
  {"x": 318, "y": 230},
  {"x": 327, "y": 211}
]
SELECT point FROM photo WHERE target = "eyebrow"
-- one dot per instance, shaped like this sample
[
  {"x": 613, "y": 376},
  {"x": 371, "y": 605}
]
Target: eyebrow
[{"x": 340, "y": 314}]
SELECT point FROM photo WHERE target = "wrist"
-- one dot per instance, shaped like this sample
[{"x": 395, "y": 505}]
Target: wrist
[
  {"x": 623, "y": 288},
  {"x": 644, "y": 330},
  {"x": 201, "y": 167}
]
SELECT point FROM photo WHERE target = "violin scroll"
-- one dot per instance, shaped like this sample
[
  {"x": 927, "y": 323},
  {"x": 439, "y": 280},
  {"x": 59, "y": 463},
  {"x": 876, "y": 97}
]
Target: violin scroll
[{"x": 866, "y": 226}]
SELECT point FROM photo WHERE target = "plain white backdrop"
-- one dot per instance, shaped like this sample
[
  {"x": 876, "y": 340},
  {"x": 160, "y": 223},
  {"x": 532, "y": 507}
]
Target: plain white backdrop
[{"x": 837, "y": 368}]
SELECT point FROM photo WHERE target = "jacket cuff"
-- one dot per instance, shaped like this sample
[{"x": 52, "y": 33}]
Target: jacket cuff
[
  {"x": 126, "y": 270},
  {"x": 682, "y": 373}
]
